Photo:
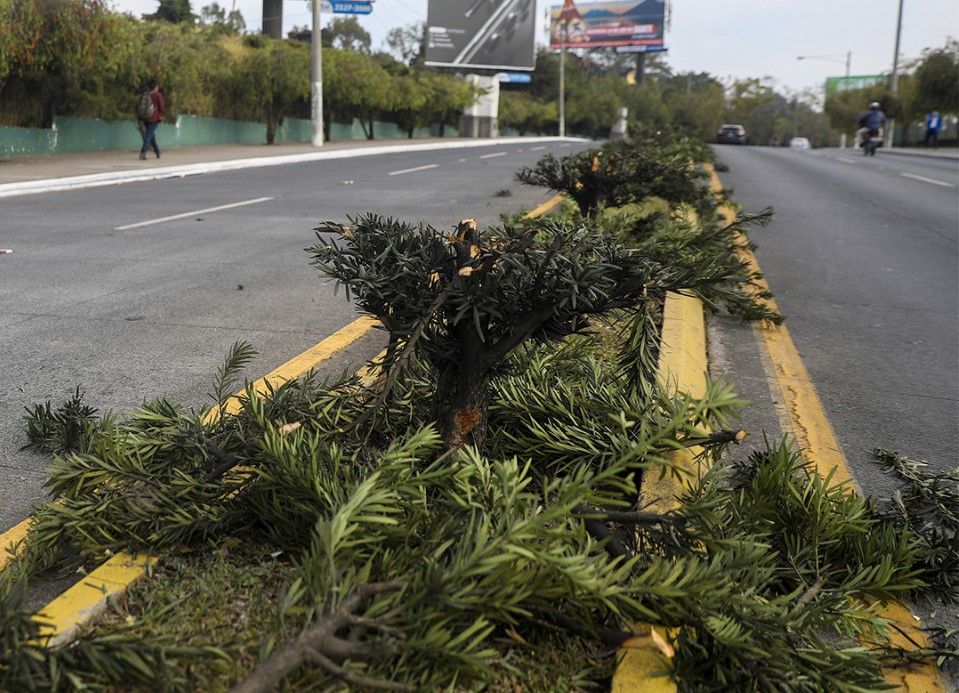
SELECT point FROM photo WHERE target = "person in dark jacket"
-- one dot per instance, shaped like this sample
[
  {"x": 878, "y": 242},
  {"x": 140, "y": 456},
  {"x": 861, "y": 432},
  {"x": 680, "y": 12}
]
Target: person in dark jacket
[
  {"x": 871, "y": 122},
  {"x": 150, "y": 113},
  {"x": 874, "y": 118}
]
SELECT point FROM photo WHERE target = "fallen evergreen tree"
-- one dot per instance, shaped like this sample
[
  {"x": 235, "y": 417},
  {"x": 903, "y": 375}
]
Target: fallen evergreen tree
[{"x": 431, "y": 535}]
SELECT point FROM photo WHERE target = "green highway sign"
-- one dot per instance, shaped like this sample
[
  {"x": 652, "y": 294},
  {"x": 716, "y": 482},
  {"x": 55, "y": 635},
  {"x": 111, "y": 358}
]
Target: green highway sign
[{"x": 834, "y": 85}]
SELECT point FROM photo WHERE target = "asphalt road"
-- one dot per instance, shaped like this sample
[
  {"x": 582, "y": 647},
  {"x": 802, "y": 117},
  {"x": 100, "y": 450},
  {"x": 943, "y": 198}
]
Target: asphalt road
[
  {"x": 131, "y": 311},
  {"x": 862, "y": 257}
]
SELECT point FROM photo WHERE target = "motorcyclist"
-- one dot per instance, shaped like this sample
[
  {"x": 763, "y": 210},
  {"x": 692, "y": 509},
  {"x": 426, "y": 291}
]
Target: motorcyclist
[{"x": 872, "y": 121}]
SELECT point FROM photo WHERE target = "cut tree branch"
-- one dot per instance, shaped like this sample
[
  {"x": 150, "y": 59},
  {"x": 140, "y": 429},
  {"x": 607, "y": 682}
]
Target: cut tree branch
[{"x": 319, "y": 644}]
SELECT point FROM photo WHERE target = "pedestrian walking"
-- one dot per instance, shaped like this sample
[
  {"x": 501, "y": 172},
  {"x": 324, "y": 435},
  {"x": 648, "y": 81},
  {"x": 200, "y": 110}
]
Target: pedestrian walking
[
  {"x": 933, "y": 126},
  {"x": 150, "y": 114}
]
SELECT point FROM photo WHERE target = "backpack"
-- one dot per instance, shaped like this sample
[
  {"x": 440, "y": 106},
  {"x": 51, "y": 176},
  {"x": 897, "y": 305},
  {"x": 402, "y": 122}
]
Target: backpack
[{"x": 145, "y": 108}]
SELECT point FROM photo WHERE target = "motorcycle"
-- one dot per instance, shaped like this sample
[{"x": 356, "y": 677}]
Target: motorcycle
[{"x": 871, "y": 141}]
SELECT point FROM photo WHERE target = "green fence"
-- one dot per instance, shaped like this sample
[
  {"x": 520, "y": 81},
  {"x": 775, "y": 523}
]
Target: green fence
[{"x": 87, "y": 134}]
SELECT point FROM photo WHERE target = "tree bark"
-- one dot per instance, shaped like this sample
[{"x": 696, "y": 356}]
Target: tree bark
[{"x": 460, "y": 406}]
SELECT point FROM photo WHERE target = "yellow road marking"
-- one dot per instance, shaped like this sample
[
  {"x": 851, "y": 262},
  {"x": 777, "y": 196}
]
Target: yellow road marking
[
  {"x": 298, "y": 365},
  {"x": 810, "y": 425},
  {"x": 61, "y": 620},
  {"x": 545, "y": 207},
  {"x": 683, "y": 367},
  {"x": 11, "y": 538}
]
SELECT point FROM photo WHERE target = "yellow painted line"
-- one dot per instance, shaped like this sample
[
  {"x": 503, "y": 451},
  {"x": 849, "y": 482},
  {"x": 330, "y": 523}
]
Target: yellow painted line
[
  {"x": 298, "y": 365},
  {"x": 820, "y": 447},
  {"x": 683, "y": 367},
  {"x": 62, "y": 619},
  {"x": 10, "y": 539},
  {"x": 544, "y": 208}
]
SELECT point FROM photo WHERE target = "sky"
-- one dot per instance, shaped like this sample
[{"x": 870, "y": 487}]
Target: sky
[{"x": 727, "y": 38}]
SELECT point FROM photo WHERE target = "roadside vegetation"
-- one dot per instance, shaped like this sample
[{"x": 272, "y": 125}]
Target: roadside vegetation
[
  {"x": 481, "y": 505},
  {"x": 80, "y": 58}
]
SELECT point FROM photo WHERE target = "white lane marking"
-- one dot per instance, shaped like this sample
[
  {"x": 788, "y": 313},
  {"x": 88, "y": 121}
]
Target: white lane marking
[
  {"x": 928, "y": 180},
  {"x": 412, "y": 170},
  {"x": 490, "y": 156},
  {"x": 536, "y": 149},
  {"x": 847, "y": 161},
  {"x": 194, "y": 213},
  {"x": 461, "y": 160}
]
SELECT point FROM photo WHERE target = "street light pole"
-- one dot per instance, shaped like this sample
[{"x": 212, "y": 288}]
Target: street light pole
[
  {"x": 894, "y": 82},
  {"x": 562, "y": 84},
  {"x": 316, "y": 102}
]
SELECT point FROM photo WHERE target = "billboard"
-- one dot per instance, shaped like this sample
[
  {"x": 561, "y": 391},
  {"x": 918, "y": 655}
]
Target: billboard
[
  {"x": 491, "y": 34},
  {"x": 834, "y": 85},
  {"x": 608, "y": 24}
]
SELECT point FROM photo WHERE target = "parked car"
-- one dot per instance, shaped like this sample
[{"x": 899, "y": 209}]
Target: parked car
[
  {"x": 799, "y": 143},
  {"x": 731, "y": 134}
]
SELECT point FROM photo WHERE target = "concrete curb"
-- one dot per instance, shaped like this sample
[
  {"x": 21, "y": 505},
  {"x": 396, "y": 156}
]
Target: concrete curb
[
  {"x": 683, "y": 366},
  {"x": 920, "y": 154},
  {"x": 138, "y": 175}
]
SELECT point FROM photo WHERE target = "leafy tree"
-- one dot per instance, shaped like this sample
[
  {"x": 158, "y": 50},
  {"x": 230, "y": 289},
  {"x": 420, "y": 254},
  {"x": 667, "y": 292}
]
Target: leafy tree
[
  {"x": 276, "y": 79},
  {"x": 216, "y": 17},
  {"x": 56, "y": 48},
  {"x": 407, "y": 43},
  {"x": 173, "y": 11},
  {"x": 356, "y": 86},
  {"x": 937, "y": 80},
  {"x": 520, "y": 110},
  {"x": 300, "y": 33},
  {"x": 346, "y": 33},
  {"x": 695, "y": 102}
]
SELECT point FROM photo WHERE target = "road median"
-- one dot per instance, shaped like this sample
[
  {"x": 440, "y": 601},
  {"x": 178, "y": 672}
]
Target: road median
[{"x": 540, "y": 468}]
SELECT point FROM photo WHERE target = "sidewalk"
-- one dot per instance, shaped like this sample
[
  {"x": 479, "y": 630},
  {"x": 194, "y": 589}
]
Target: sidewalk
[
  {"x": 941, "y": 153},
  {"x": 27, "y": 168},
  {"x": 45, "y": 174}
]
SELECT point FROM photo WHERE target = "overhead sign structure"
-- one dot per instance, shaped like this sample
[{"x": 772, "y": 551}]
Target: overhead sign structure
[
  {"x": 620, "y": 23},
  {"x": 481, "y": 34},
  {"x": 835, "y": 85}
]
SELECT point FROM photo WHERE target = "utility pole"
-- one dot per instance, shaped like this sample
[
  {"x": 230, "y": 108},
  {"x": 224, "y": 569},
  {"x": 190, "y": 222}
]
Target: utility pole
[
  {"x": 641, "y": 71},
  {"x": 562, "y": 83},
  {"x": 316, "y": 103},
  {"x": 894, "y": 82},
  {"x": 848, "y": 63}
]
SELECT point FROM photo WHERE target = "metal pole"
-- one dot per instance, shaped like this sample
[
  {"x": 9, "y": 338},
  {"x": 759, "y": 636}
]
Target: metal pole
[
  {"x": 316, "y": 112},
  {"x": 894, "y": 82},
  {"x": 562, "y": 85},
  {"x": 641, "y": 70},
  {"x": 848, "y": 62}
]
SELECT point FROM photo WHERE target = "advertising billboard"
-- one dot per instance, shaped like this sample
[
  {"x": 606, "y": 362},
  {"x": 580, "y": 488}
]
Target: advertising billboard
[
  {"x": 490, "y": 34},
  {"x": 608, "y": 24}
]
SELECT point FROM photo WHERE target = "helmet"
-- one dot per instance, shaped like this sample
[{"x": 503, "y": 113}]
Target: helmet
[{"x": 874, "y": 106}]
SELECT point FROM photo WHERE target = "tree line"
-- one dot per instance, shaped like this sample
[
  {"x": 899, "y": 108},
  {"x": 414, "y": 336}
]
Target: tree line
[
  {"x": 80, "y": 58},
  {"x": 697, "y": 103},
  {"x": 930, "y": 82}
]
